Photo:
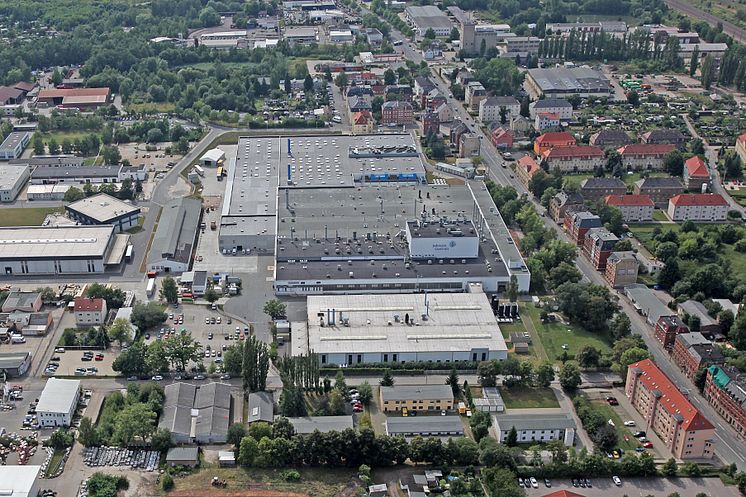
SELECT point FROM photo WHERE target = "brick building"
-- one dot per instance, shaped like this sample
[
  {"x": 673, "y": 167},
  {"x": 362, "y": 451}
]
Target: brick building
[
  {"x": 725, "y": 390},
  {"x": 560, "y": 203},
  {"x": 621, "y": 269},
  {"x": 596, "y": 189},
  {"x": 548, "y": 141},
  {"x": 525, "y": 169},
  {"x": 396, "y": 113},
  {"x": 692, "y": 351},
  {"x": 610, "y": 138},
  {"x": 681, "y": 427},
  {"x": 577, "y": 225},
  {"x": 665, "y": 135},
  {"x": 574, "y": 159},
  {"x": 667, "y": 328},
  {"x": 598, "y": 245},
  {"x": 696, "y": 174},
  {"x": 645, "y": 156}
]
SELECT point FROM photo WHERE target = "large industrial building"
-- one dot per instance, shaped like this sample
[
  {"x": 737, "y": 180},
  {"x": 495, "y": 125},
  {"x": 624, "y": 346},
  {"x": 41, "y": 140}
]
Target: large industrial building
[
  {"x": 14, "y": 144},
  {"x": 443, "y": 327},
  {"x": 559, "y": 81},
  {"x": 176, "y": 236},
  {"x": 78, "y": 98},
  {"x": 425, "y": 17},
  {"x": 198, "y": 414},
  {"x": 37, "y": 250},
  {"x": 104, "y": 209},
  {"x": 19, "y": 481},
  {"x": 351, "y": 214},
  {"x": 14, "y": 364}
]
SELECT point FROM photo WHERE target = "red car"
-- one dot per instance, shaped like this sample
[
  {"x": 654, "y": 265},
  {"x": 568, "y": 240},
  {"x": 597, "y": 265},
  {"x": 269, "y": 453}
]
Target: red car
[
  {"x": 648, "y": 445},
  {"x": 99, "y": 357},
  {"x": 357, "y": 408}
]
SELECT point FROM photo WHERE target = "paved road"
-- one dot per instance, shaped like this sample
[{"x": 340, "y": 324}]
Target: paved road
[
  {"x": 658, "y": 487},
  {"x": 696, "y": 13}
]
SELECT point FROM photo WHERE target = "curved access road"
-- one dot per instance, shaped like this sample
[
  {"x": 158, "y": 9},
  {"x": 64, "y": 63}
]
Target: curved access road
[{"x": 728, "y": 27}]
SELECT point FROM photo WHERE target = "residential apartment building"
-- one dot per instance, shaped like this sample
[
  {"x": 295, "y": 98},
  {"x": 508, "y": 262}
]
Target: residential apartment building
[
  {"x": 560, "y": 203},
  {"x": 621, "y": 269},
  {"x": 491, "y": 109},
  {"x": 725, "y": 390},
  {"x": 579, "y": 223},
  {"x": 645, "y": 156},
  {"x": 445, "y": 113},
  {"x": 416, "y": 398},
  {"x": 635, "y": 208},
  {"x": 89, "y": 312},
  {"x": 362, "y": 123},
  {"x": 667, "y": 328},
  {"x": 696, "y": 174},
  {"x": 659, "y": 189},
  {"x": 525, "y": 169},
  {"x": 681, "y": 427},
  {"x": 396, "y": 113},
  {"x": 520, "y": 45},
  {"x": 660, "y": 136},
  {"x": 548, "y": 141},
  {"x": 700, "y": 207},
  {"x": 469, "y": 145},
  {"x": 430, "y": 123},
  {"x": 541, "y": 425},
  {"x": 597, "y": 189},
  {"x": 502, "y": 138},
  {"x": 473, "y": 95},
  {"x": 598, "y": 245},
  {"x": 557, "y": 105},
  {"x": 546, "y": 120},
  {"x": 741, "y": 147},
  {"x": 692, "y": 351},
  {"x": 610, "y": 138},
  {"x": 574, "y": 159}
]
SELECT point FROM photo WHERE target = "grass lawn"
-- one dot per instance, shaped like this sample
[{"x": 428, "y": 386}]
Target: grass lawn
[
  {"x": 151, "y": 107},
  {"x": 529, "y": 398},
  {"x": 554, "y": 335},
  {"x": 62, "y": 135},
  {"x": 608, "y": 412},
  {"x": 739, "y": 195},
  {"x": 534, "y": 353},
  {"x": 27, "y": 216},
  {"x": 54, "y": 463},
  {"x": 659, "y": 215},
  {"x": 314, "y": 482}
]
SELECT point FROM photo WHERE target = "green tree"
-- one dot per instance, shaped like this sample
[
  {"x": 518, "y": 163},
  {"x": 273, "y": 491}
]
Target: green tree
[
  {"x": 588, "y": 357},
  {"x": 121, "y": 331},
  {"x": 248, "y": 451},
  {"x": 620, "y": 326},
  {"x": 87, "y": 432},
  {"x": 544, "y": 374},
  {"x": 236, "y": 433},
  {"x": 512, "y": 439},
  {"x": 255, "y": 365},
  {"x": 633, "y": 98},
  {"x": 167, "y": 482},
  {"x": 211, "y": 295},
  {"x": 569, "y": 376},
  {"x": 480, "y": 423},
  {"x": 111, "y": 154},
  {"x": 181, "y": 349},
  {"x": 563, "y": 273},
  {"x": 259, "y": 430},
  {"x": 669, "y": 468},
  {"x": 156, "y": 359},
  {"x": 161, "y": 440},
  {"x": 341, "y": 80},
  {"x": 134, "y": 422},
  {"x": 60, "y": 439},
  {"x": 132, "y": 361},
  {"x": 275, "y": 309},
  {"x": 389, "y": 77},
  {"x": 673, "y": 163},
  {"x": 366, "y": 393},
  {"x": 336, "y": 402},
  {"x": 387, "y": 380},
  {"x": 455, "y": 35},
  {"x": 631, "y": 356},
  {"x": 453, "y": 382},
  {"x": 74, "y": 194},
  {"x": 233, "y": 359},
  {"x": 169, "y": 290},
  {"x": 38, "y": 144},
  {"x": 53, "y": 146}
]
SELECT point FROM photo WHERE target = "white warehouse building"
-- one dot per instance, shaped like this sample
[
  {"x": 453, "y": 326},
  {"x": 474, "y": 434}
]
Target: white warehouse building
[
  {"x": 58, "y": 402},
  {"x": 438, "y": 327}
]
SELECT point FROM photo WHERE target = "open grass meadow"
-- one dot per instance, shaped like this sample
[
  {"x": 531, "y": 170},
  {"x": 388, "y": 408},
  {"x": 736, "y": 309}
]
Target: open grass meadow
[
  {"x": 27, "y": 216},
  {"x": 529, "y": 398},
  {"x": 558, "y": 338}
]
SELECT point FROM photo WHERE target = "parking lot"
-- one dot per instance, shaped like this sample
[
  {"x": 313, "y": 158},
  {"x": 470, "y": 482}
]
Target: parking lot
[
  {"x": 210, "y": 336},
  {"x": 72, "y": 362},
  {"x": 133, "y": 458},
  {"x": 658, "y": 487}
]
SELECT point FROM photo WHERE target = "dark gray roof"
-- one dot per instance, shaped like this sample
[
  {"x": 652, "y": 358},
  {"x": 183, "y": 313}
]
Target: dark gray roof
[
  {"x": 324, "y": 424},
  {"x": 664, "y": 134},
  {"x": 564, "y": 198},
  {"x": 177, "y": 230},
  {"x": 602, "y": 183},
  {"x": 506, "y": 101},
  {"x": 659, "y": 182},
  {"x": 211, "y": 401},
  {"x": 535, "y": 421},
  {"x": 694, "y": 308},
  {"x": 54, "y": 172},
  {"x": 51, "y": 160},
  {"x": 614, "y": 136},
  {"x": 260, "y": 407},
  {"x": 182, "y": 454},
  {"x": 550, "y": 103},
  {"x": 424, "y": 425}
]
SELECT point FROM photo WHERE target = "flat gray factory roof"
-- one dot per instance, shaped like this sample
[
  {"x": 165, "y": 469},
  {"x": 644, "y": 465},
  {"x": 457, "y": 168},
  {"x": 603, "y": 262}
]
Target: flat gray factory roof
[
  {"x": 52, "y": 172},
  {"x": 535, "y": 420},
  {"x": 52, "y": 242},
  {"x": 58, "y": 395},
  {"x": 56, "y": 160},
  {"x": 251, "y": 185},
  {"x": 436, "y": 230},
  {"x": 322, "y": 423},
  {"x": 177, "y": 230},
  {"x": 10, "y": 175},
  {"x": 417, "y": 392},
  {"x": 248, "y": 225},
  {"x": 456, "y": 322},
  {"x": 12, "y": 360},
  {"x": 12, "y": 140},
  {"x": 566, "y": 80},
  {"x": 326, "y": 161},
  {"x": 103, "y": 207},
  {"x": 428, "y": 16},
  {"x": 424, "y": 424}
]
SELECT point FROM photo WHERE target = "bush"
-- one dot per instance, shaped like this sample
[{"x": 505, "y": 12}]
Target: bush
[
  {"x": 291, "y": 475},
  {"x": 167, "y": 482}
]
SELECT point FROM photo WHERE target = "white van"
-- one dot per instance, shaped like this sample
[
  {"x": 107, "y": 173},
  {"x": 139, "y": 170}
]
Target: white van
[{"x": 17, "y": 339}]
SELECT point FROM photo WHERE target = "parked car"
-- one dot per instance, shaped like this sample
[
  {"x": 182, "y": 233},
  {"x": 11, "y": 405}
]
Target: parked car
[
  {"x": 157, "y": 378},
  {"x": 639, "y": 434},
  {"x": 534, "y": 483},
  {"x": 629, "y": 423},
  {"x": 225, "y": 376},
  {"x": 199, "y": 377},
  {"x": 547, "y": 483},
  {"x": 612, "y": 401},
  {"x": 617, "y": 481},
  {"x": 648, "y": 445}
]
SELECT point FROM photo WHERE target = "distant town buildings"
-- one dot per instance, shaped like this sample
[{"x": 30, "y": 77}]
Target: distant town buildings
[{"x": 725, "y": 390}]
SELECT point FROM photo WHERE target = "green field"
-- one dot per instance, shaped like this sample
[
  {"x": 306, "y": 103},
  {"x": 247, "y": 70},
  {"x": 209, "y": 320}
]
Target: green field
[
  {"x": 28, "y": 216},
  {"x": 738, "y": 195},
  {"x": 529, "y": 398},
  {"x": 59, "y": 136},
  {"x": 554, "y": 335}
]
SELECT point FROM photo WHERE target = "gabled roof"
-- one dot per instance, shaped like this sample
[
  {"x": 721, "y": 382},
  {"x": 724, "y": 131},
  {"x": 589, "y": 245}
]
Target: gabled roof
[
  {"x": 500, "y": 101},
  {"x": 24, "y": 86},
  {"x": 560, "y": 137},
  {"x": 610, "y": 136},
  {"x": 562, "y": 493},
  {"x": 629, "y": 200},
  {"x": 73, "y": 92},
  {"x": 671, "y": 399},
  {"x": 549, "y": 115},
  {"x": 6, "y": 93},
  {"x": 646, "y": 149},
  {"x": 573, "y": 151},
  {"x": 85, "y": 304},
  {"x": 663, "y": 135},
  {"x": 696, "y": 167},
  {"x": 529, "y": 165},
  {"x": 659, "y": 182},
  {"x": 691, "y": 199},
  {"x": 361, "y": 118}
]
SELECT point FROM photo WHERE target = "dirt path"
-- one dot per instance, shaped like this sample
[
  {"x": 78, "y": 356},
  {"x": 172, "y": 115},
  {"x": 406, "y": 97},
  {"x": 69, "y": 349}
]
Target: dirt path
[{"x": 247, "y": 492}]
